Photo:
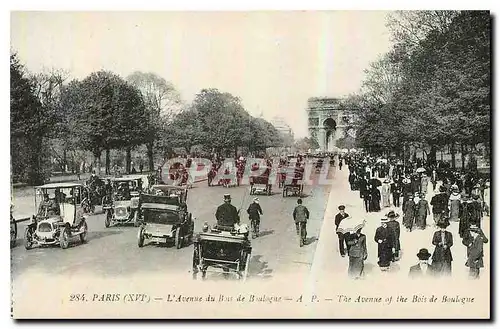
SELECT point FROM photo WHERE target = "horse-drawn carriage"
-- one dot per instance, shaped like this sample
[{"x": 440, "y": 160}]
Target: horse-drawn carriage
[
  {"x": 228, "y": 177},
  {"x": 261, "y": 184},
  {"x": 164, "y": 216},
  {"x": 226, "y": 249},
  {"x": 293, "y": 184}
]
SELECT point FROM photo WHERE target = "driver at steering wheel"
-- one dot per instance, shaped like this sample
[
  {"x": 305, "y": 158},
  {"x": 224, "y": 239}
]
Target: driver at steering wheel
[
  {"x": 227, "y": 215},
  {"x": 48, "y": 206}
]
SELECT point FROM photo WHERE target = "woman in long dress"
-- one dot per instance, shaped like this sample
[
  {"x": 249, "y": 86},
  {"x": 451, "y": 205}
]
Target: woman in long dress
[
  {"x": 409, "y": 213},
  {"x": 384, "y": 237},
  {"x": 357, "y": 253},
  {"x": 454, "y": 204},
  {"x": 386, "y": 193},
  {"x": 486, "y": 198},
  {"x": 374, "y": 199},
  {"x": 422, "y": 210}
]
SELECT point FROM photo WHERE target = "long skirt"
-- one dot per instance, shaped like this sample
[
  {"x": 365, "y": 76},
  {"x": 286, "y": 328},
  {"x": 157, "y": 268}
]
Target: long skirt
[
  {"x": 356, "y": 266},
  {"x": 442, "y": 267},
  {"x": 454, "y": 210}
]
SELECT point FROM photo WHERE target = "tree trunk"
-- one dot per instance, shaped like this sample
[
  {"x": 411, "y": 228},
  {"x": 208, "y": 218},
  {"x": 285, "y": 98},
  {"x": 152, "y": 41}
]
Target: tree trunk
[
  {"x": 108, "y": 162},
  {"x": 151, "y": 164},
  {"x": 35, "y": 171},
  {"x": 452, "y": 151},
  {"x": 462, "y": 154},
  {"x": 64, "y": 161},
  {"x": 432, "y": 155},
  {"x": 97, "y": 161},
  {"x": 128, "y": 159},
  {"x": 236, "y": 152}
]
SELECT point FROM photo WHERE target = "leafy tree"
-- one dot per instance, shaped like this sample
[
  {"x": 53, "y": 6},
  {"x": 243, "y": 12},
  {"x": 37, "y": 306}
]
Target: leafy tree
[
  {"x": 28, "y": 123},
  {"x": 162, "y": 102}
]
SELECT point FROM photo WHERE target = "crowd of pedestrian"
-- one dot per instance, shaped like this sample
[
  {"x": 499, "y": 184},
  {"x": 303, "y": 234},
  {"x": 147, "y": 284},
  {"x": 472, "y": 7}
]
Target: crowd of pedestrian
[{"x": 417, "y": 190}]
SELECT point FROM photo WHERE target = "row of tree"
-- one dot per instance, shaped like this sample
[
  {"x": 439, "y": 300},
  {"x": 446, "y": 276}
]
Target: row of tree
[
  {"x": 103, "y": 112},
  {"x": 432, "y": 89}
]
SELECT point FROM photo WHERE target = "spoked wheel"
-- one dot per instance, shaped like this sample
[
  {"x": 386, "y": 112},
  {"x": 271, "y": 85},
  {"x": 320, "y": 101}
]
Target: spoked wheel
[
  {"x": 83, "y": 235},
  {"x": 64, "y": 238},
  {"x": 28, "y": 239}
]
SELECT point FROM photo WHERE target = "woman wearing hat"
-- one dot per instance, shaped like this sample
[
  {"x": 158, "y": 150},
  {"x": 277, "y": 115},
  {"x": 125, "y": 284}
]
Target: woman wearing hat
[
  {"x": 443, "y": 241},
  {"x": 357, "y": 253},
  {"x": 409, "y": 213},
  {"x": 454, "y": 202},
  {"x": 422, "y": 210},
  {"x": 474, "y": 242},
  {"x": 423, "y": 268},
  {"x": 384, "y": 237},
  {"x": 386, "y": 193}
]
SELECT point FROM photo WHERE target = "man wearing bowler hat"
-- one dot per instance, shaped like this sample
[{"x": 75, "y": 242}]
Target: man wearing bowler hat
[
  {"x": 423, "y": 268},
  {"x": 393, "y": 224}
]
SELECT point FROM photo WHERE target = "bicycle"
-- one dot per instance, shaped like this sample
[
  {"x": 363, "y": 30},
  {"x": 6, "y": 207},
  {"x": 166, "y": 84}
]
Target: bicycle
[
  {"x": 302, "y": 232},
  {"x": 254, "y": 225}
]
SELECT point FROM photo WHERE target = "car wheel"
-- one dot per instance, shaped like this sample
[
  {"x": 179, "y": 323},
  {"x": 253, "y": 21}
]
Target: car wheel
[
  {"x": 178, "y": 239},
  {"x": 107, "y": 221},
  {"x": 64, "y": 238},
  {"x": 83, "y": 235},
  {"x": 28, "y": 239},
  {"x": 140, "y": 238}
]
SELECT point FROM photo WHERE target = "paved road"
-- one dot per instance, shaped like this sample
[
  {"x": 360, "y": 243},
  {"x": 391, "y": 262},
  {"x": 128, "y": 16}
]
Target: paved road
[{"x": 113, "y": 252}]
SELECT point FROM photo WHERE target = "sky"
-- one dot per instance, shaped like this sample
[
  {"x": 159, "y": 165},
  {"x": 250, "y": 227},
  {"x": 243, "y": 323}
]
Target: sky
[{"x": 273, "y": 61}]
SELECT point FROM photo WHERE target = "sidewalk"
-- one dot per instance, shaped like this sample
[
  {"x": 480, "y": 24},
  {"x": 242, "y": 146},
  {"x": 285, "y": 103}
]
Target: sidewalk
[{"x": 328, "y": 277}]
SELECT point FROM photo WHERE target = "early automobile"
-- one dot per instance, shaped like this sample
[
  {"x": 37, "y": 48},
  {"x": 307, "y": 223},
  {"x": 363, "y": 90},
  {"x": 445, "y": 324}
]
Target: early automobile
[
  {"x": 164, "y": 217},
  {"x": 13, "y": 229},
  {"x": 217, "y": 249},
  {"x": 124, "y": 207},
  {"x": 59, "y": 217}
]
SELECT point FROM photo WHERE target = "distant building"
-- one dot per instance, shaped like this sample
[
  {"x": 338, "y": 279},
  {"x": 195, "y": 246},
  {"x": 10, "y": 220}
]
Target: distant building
[
  {"x": 330, "y": 124},
  {"x": 283, "y": 128}
]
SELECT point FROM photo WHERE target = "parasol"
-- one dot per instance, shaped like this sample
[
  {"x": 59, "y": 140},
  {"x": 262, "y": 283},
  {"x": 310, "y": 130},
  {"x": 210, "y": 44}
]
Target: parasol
[
  {"x": 421, "y": 169},
  {"x": 350, "y": 224}
]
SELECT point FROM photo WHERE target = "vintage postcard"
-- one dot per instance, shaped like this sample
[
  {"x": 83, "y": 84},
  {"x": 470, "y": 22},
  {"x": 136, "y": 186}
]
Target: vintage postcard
[{"x": 250, "y": 165}]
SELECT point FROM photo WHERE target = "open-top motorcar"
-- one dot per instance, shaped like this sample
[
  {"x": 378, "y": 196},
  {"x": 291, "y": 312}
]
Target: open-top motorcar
[
  {"x": 125, "y": 205},
  {"x": 59, "y": 217},
  {"x": 221, "y": 248},
  {"x": 164, "y": 217}
]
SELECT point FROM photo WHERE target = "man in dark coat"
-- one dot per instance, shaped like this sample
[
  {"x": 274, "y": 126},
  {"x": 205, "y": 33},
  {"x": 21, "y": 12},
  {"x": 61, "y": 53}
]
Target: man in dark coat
[
  {"x": 443, "y": 240},
  {"x": 439, "y": 203},
  {"x": 393, "y": 224},
  {"x": 338, "y": 218},
  {"x": 300, "y": 216},
  {"x": 396, "y": 193},
  {"x": 477, "y": 210},
  {"x": 384, "y": 237},
  {"x": 374, "y": 199},
  {"x": 474, "y": 242},
  {"x": 254, "y": 212},
  {"x": 227, "y": 215},
  {"x": 423, "y": 268}
]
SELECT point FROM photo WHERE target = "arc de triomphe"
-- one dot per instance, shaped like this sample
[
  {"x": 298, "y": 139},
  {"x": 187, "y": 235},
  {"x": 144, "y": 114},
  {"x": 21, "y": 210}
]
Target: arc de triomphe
[{"x": 328, "y": 122}]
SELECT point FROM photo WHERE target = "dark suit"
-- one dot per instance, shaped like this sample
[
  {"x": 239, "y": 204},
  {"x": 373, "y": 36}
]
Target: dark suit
[
  {"x": 475, "y": 253},
  {"x": 396, "y": 229},
  {"x": 227, "y": 215},
  {"x": 417, "y": 273},
  {"x": 442, "y": 258},
  {"x": 338, "y": 218}
]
